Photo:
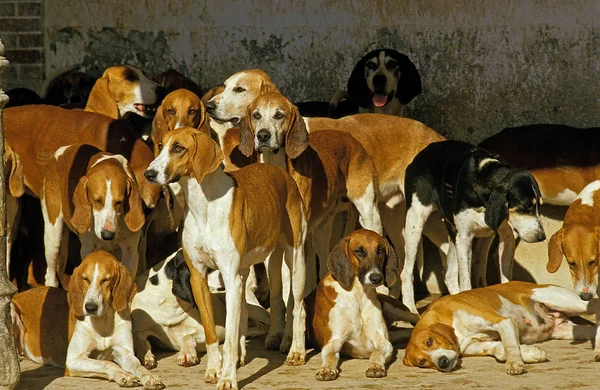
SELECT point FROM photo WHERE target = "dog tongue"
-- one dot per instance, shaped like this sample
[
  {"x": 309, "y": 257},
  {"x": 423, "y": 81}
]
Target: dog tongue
[{"x": 379, "y": 100}]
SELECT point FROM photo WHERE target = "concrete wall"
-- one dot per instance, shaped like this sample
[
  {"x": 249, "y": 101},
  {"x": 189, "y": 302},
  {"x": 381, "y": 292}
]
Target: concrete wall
[{"x": 485, "y": 64}]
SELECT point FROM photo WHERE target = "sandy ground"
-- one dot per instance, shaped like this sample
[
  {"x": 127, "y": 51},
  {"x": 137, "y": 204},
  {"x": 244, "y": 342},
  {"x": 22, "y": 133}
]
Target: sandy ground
[{"x": 571, "y": 366}]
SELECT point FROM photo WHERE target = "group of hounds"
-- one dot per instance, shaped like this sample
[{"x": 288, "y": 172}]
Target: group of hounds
[{"x": 160, "y": 202}]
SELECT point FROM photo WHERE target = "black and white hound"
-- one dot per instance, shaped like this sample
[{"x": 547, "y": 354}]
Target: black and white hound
[{"x": 477, "y": 195}]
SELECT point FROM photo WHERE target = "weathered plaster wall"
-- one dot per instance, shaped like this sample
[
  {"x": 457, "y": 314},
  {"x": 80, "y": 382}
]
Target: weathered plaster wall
[{"x": 485, "y": 64}]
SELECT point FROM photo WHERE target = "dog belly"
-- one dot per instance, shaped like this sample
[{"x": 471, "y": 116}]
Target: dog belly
[
  {"x": 357, "y": 349},
  {"x": 535, "y": 323}
]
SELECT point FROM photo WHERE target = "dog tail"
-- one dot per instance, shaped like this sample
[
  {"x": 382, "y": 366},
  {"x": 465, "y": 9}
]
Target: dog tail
[{"x": 393, "y": 310}]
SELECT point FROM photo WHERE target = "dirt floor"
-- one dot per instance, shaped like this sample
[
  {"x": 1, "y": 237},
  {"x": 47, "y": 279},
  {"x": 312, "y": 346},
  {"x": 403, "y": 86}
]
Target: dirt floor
[{"x": 570, "y": 366}]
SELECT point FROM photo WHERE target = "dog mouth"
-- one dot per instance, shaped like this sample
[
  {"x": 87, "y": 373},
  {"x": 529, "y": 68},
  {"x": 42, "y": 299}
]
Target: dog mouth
[
  {"x": 234, "y": 120},
  {"x": 145, "y": 109},
  {"x": 265, "y": 148},
  {"x": 381, "y": 100}
]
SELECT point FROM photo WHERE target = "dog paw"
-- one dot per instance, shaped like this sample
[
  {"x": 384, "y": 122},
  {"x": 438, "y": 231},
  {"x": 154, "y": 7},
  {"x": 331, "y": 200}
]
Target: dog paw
[
  {"x": 125, "y": 379},
  {"x": 327, "y": 374},
  {"x": 187, "y": 359},
  {"x": 211, "y": 376},
  {"x": 152, "y": 382},
  {"x": 376, "y": 371},
  {"x": 273, "y": 341},
  {"x": 286, "y": 344},
  {"x": 597, "y": 356},
  {"x": 515, "y": 368},
  {"x": 227, "y": 384},
  {"x": 533, "y": 354},
  {"x": 295, "y": 359},
  {"x": 150, "y": 361}
]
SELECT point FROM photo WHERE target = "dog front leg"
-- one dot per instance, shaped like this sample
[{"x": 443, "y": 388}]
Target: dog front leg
[
  {"x": 188, "y": 355},
  {"x": 294, "y": 257},
  {"x": 143, "y": 350},
  {"x": 125, "y": 358},
  {"x": 464, "y": 242},
  {"x": 53, "y": 235},
  {"x": 243, "y": 317},
  {"x": 481, "y": 253},
  {"x": 130, "y": 256},
  {"x": 83, "y": 366},
  {"x": 509, "y": 334},
  {"x": 277, "y": 312},
  {"x": 506, "y": 252},
  {"x": 379, "y": 357},
  {"x": 233, "y": 296},
  {"x": 203, "y": 300},
  {"x": 330, "y": 357},
  {"x": 597, "y": 339}
]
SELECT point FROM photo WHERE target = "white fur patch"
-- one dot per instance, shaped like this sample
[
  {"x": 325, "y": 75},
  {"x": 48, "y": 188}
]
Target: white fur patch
[
  {"x": 587, "y": 194},
  {"x": 564, "y": 198},
  {"x": 60, "y": 151}
]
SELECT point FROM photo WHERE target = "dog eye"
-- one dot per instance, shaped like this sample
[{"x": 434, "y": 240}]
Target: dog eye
[
  {"x": 192, "y": 112},
  {"x": 571, "y": 263},
  {"x": 171, "y": 111},
  {"x": 98, "y": 201},
  {"x": 592, "y": 262},
  {"x": 279, "y": 115},
  {"x": 256, "y": 116},
  {"x": 360, "y": 252},
  {"x": 422, "y": 362},
  {"x": 429, "y": 342},
  {"x": 380, "y": 250},
  {"x": 371, "y": 65},
  {"x": 239, "y": 90},
  {"x": 177, "y": 148},
  {"x": 118, "y": 202},
  {"x": 159, "y": 146},
  {"x": 85, "y": 279},
  {"x": 392, "y": 64}
]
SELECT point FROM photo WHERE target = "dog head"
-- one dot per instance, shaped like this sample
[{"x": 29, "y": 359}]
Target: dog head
[
  {"x": 180, "y": 108},
  {"x": 580, "y": 245},
  {"x": 518, "y": 198},
  {"x": 365, "y": 255},
  {"x": 123, "y": 89},
  {"x": 381, "y": 76},
  {"x": 435, "y": 346},
  {"x": 98, "y": 284},
  {"x": 13, "y": 172},
  {"x": 70, "y": 88},
  {"x": 271, "y": 122},
  {"x": 172, "y": 80},
  {"x": 177, "y": 271},
  {"x": 185, "y": 152},
  {"x": 238, "y": 92},
  {"x": 105, "y": 194}
]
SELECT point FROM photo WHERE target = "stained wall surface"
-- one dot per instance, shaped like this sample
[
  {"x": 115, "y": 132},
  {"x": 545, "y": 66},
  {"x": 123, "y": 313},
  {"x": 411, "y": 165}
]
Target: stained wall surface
[{"x": 485, "y": 64}]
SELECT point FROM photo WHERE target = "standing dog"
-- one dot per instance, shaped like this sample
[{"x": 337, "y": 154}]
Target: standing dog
[
  {"x": 496, "y": 321},
  {"x": 96, "y": 195},
  {"x": 232, "y": 221},
  {"x": 343, "y": 313},
  {"x": 383, "y": 82},
  {"x": 90, "y": 327},
  {"x": 477, "y": 195}
]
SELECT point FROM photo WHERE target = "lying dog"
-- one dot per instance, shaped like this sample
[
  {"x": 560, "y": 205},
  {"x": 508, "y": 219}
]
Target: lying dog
[
  {"x": 344, "y": 314},
  {"x": 477, "y": 194},
  {"x": 175, "y": 323},
  {"x": 88, "y": 330},
  {"x": 495, "y": 321}
]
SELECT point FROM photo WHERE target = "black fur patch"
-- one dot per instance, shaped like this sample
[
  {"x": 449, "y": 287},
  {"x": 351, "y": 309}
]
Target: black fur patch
[
  {"x": 177, "y": 271},
  {"x": 130, "y": 75},
  {"x": 154, "y": 279}
]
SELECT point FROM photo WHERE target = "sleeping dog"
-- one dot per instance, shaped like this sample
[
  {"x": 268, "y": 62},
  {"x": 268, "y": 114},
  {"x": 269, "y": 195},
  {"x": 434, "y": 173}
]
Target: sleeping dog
[
  {"x": 382, "y": 82},
  {"x": 494, "y": 321},
  {"x": 164, "y": 309},
  {"x": 477, "y": 194}
]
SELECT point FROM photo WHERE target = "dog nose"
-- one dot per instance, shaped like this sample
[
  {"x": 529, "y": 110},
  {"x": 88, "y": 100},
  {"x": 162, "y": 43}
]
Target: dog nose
[
  {"x": 150, "y": 175},
  {"x": 210, "y": 106},
  {"x": 107, "y": 235},
  {"x": 376, "y": 278},
  {"x": 541, "y": 236},
  {"x": 91, "y": 307},
  {"x": 443, "y": 362},
  {"x": 263, "y": 135},
  {"x": 379, "y": 81},
  {"x": 586, "y": 296}
]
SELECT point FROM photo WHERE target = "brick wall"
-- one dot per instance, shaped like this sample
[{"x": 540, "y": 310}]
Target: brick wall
[{"x": 21, "y": 32}]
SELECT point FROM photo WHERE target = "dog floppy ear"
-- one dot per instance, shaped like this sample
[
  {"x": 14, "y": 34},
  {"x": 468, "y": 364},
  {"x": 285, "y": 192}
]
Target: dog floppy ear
[
  {"x": 204, "y": 124},
  {"x": 134, "y": 212},
  {"x": 159, "y": 129},
  {"x": 82, "y": 208},
  {"x": 409, "y": 84},
  {"x": 76, "y": 293},
  {"x": 246, "y": 145},
  {"x": 207, "y": 156},
  {"x": 101, "y": 100},
  {"x": 555, "y": 252},
  {"x": 123, "y": 290},
  {"x": 391, "y": 266},
  {"x": 178, "y": 271},
  {"x": 340, "y": 266},
  {"x": 357, "y": 87},
  {"x": 296, "y": 138},
  {"x": 496, "y": 210},
  {"x": 267, "y": 86},
  {"x": 16, "y": 185}
]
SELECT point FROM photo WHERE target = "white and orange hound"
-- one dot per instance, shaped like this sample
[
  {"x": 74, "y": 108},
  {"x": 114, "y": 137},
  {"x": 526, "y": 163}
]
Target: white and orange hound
[
  {"x": 578, "y": 241},
  {"x": 234, "y": 220},
  {"x": 95, "y": 195},
  {"x": 500, "y": 321},
  {"x": 391, "y": 141},
  {"x": 344, "y": 314},
  {"x": 327, "y": 166},
  {"x": 123, "y": 89},
  {"x": 90, "y": 327}
]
